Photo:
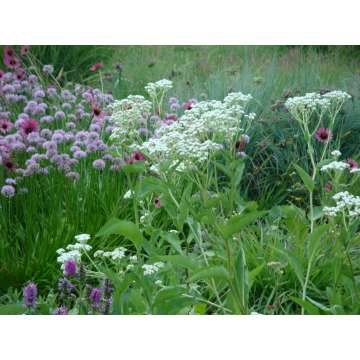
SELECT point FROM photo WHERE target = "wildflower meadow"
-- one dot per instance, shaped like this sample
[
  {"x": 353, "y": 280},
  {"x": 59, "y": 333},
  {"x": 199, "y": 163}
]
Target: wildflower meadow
[{"x": 152, "y": 182}]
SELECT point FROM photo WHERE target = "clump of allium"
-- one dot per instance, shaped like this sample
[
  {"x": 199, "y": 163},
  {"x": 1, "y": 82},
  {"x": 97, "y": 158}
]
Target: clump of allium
[
  {"x": 323, "y": 135},
  {"x": 30, "y": 295}
]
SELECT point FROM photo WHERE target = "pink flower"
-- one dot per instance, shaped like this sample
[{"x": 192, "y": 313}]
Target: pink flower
[
  {"x": 323, "y": 135},
  {"x": 96, "y": 67},
  {"x": 5, "y": 126},
  {"x": 328, "y": 187},
  {"x": 25, "y": 50},
  {"x": 352, "y": 163},
  {"x": 29, "y": 125}
]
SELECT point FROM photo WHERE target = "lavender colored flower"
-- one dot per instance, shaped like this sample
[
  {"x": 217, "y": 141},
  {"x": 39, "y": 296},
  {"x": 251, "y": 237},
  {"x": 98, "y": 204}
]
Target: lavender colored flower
[
  {"x": 8, "y": 191},
  {"x": 59, "y": 115},
  {"x": 38, "y": 93},
  {"x": 80, "y": 154},
  {"x": 30, "y": 295},
  {"x": 48, "y": 69},
  {"x": 95, "y": 297},
  {"x": 57, "y": 137},
  {"x": 70, "y": 268},
  {"x": 99, "y": 164},
  {"x": 50, "y": 145},
  {"x": 62, "y": 310},
  {"x": 95, "y": 128},
  {"x": 5, "y": 126},
  {"x": 48, "y": 119},
  {"x": 73, "y": 175},
  {"x": 10, "y": 181},
  {"x": 70, "y": 125}
]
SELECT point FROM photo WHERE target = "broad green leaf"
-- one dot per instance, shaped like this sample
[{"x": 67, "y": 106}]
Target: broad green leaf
[
  {"x": 305, "y": 177},
  {"x": 124, "y": 228},
  {"x": 181, "y": 260},
  {"x": 238, "y": 174},
  {"x": 213, "y": 272},
  {"x": 12, "y": 309},
  {"x": 318, "y": 213},
  {"x": 174, "y": 241},
  {"x": 242, "y": 279},
  {"x": 310, "y": 308},
  {"x": 313, "y": 239},
  {"x": 136, "y": 168},
  {"x": 239, "y": 222},
  {"x": 150, "y": 185}
]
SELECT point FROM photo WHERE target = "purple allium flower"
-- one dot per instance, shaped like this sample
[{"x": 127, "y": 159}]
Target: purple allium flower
[
  {"x": 80, "y": 154},
  {"x": 99, "y": 164},
  {"x": 143, "y": 131},
  {"x": 5, "y": 126},
  {"x": 32, "y": 79},
  {"x": 66, "y": 106},
  {"x": 95, "y": 128},
  {"x": 70, "y": 268},
  {"x": 95, "y": 297},
  {"x": 73, "y": 175},
  {"x": 70, "y": 125},
  {"x": 62, "y": 310},
  {"x": 52, "y": 91},
  {"x": 57, "y": 137},
  {"x": 38, "y": 93},
  {"x": 10, "y": 181},
  {"x": 48, "y": 69},
  {"x": 323, "y": 135},
  {"x": 50, "y": 145},
  {"x": 30, "y": 295},
  {"x": 47, "y": 119},
  {"x": 352, "y": 163},
  {"x": 59, "y": 115},
  {"x": 8, "y": 191},
  {"x": 46, "y": 133}
]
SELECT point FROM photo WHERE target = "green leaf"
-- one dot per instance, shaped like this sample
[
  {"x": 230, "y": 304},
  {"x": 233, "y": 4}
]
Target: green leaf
[
  {"x": 181, "y": 260},
  {"x": 305, "y": 177},
  {"x": 239, "y": 222},
  {"x": 135, "y": 168},
  {"x": 213, "y": 272},
  {"x": 238, "y": 174},
  {"x": 310, "y": 308},
  {"x": 12, "y": 309},
  {"x": 174, "y": 241},
  {"x": 150, "y": 185},
  {"x": 124, "y": 228},
  {"x": 313, "y": 239},
  {"x": 242, "y": 280},
  {"x": 294, "y": 263},
  {"x": 254, "y": 273},
  {"x": 318, "y": 213}
]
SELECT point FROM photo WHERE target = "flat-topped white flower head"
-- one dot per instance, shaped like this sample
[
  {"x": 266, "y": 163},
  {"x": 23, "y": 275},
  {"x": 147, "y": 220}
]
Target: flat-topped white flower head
[{"x": 82, "y": 238}]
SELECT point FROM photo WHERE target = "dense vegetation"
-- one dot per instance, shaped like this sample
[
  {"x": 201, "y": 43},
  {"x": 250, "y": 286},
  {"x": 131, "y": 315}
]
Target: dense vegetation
[{"x": 224, "y": 189}]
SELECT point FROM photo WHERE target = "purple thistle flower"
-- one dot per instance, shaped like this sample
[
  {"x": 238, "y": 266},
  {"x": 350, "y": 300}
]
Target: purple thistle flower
[
  {"x": 99, "y": 164},
  {"x": 8, "y": 191},
  {"x": 70, "y": 268},
  {"x": 323, "y": 135},
  {"x": 30, "y": 295}
]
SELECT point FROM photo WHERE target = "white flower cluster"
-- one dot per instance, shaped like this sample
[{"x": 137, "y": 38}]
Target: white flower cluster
[
  {"x": 74, "y": 251},
  {"x": 200, "y": 131},
  {"x": 150, "y": 269},
  {"x": 159, "y": 87},
  {"x": 335, "y": 165},
  {"x": 129, "y": 194},
  {"x": 336, "y": 153},
  {"x": 310, "y": 102},
  {"x": 116, "y": 254},
  {"x": 127, "y": 115},
  {"x": 344, "y": 202}
]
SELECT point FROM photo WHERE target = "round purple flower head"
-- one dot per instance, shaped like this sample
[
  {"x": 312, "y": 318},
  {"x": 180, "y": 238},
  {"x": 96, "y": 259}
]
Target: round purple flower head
[
  {"x": 8, "y": 191},
  {"x": 99, "y": 164},
  {"x": 95, "y": 297},
  {"x": 70, "y": 268},
  {"x": 62, "y": 310},
  {"x": 30, "y": 295},
  {"x": 48, "y": 69}
]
